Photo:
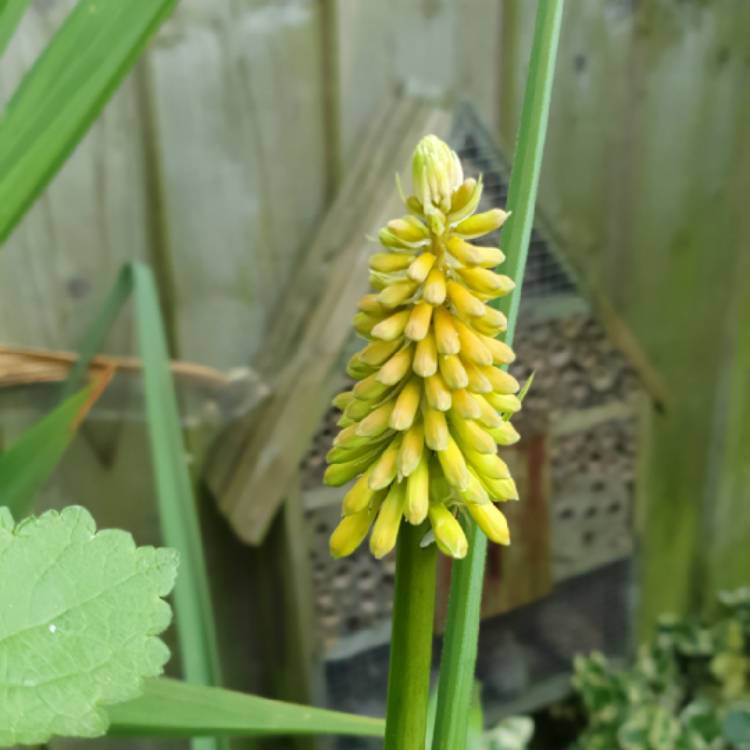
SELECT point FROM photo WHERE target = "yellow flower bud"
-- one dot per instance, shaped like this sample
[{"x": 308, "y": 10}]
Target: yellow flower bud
[
  {"x": 412, "y": 449},
  {"x": 501, "y": 381},
  {"x": 466, "y": 303},
  {"x": 385, "y": 469},
  {"x": 470, "y": 434},
  {"x": 478, "y": 382},
  {"x": 340, "y": 454},
  {"x": 453, "y": 371},
  {"x": 474, "y": 255},
  {"x": 391, "y": 328},
  {"x": 394, "y": 242},
  {"x": 369, "y": 304},
  {"x": 376, "y": 422},
  {"x": 449, "y": 535},
  {"x": 446, "y": 335},
  {"x": 488, "y": 417},
  {"x": 434, "y": 287},
  {"x": 474, "y": 492},
  {"x": 407, "y": 403},
  {"x": 396, "y": 294},
  {"x": 436, "y": 433},
  {"x": 486, "y": 281},
  {"x": 465, "y": 200},
  {"x": 436, "y": 173},
  {"x": 438, "y": 396},
  {"x": 502, "y": 354},
  {"x": 479, "y": 224},
  {"x": 492, "y": 522},
  {"x": 472, "y": 347},
  {"x": 369, "y": 389},
  {"x": 364, "y": 323},
  {"x": 505, "y": 434},
  {"x": 357, "y": 409},
  {"x": 341, "y": 473},
  {"x": 504, "y": 403},
  {"x": 426, "y": 357},
  {"x": 419, "y": 321},
  {"x": 487, "y": 465},
  {"x": 359, "y": 497},
  {"x": 463, "y": 194},
  {"x": 341, "y": 400},
  {"x": 494, "y": 319},
  {"x": 396, "y": 367},
  {"x": 409, "y": 230},
  {"x": 454, "y": 465},
  {"x": 413, "y": 203},
  {"x": 418, "y": 493},
  {"x": 466, "y": 404},
  {"x": 390, "y": 262},
  {"x": 349, "y": 436},
  {"x": 377, "y": 352},
  {"x": 420, "y": 267},
  {"x": 356, "y": 368},
  {"x": 387, "y": 524},
  {"x": 501, "y": 489},
  {"x": 350, "y": 533}
]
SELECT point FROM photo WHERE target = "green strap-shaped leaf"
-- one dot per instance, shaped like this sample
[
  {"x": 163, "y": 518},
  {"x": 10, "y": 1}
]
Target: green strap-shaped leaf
[
  {"x": 11, "y": 12},
  {"x": 169, "y": 708},
  {"x": 177, "y": 505},
  {"x": 27, "y": 465},
  {"x": 64, "y": 91},
  {"x": 462, "y": 628},
  {"x": 80, "y": 615}
]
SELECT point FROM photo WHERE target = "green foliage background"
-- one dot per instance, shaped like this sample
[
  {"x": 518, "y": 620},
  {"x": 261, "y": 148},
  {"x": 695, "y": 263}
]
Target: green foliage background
[{"x": 687, "y": 690}]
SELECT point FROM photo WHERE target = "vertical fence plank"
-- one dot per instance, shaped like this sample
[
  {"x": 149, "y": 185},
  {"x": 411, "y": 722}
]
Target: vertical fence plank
[
  {"x": 364, "y": 67},
  {"x": 237, "y": 97},
  {"x": 68, "y": 249},
  {"x": 646, "y": 121}
]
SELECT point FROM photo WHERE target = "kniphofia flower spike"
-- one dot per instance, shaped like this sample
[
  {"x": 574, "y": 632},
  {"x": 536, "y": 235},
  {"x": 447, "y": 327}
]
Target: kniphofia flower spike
[{"x": 421, "y": 427}]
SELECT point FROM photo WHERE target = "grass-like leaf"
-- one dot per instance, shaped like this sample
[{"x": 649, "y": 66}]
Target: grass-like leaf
[
  {"x": 80, "y": 615},
  {"x": 177, "y": 506},
  {"x": 11, "y": 12},
  {"x": 65, "y": 90},
  {"x": 169, "y": 708},
  {"x": 29, "y": 462},
  {"x": 462, "y": 628}
]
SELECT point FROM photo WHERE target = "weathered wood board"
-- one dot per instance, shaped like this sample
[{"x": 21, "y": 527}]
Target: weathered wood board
[
  {"x": 641, "y": 181},
  {"x": 312, "y": 325}
]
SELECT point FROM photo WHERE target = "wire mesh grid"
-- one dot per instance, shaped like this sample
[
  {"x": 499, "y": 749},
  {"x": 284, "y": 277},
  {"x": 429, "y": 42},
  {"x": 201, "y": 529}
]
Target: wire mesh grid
[{"x": 546, "y": 274}]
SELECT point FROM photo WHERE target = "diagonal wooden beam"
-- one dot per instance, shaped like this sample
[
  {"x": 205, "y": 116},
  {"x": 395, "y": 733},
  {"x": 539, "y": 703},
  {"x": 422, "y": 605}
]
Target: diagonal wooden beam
[{"x": 254, "y": 465}]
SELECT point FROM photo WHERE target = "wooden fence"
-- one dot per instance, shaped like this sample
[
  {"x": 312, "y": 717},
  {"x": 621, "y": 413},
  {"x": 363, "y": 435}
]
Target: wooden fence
[{"x": 217, "y": 158}]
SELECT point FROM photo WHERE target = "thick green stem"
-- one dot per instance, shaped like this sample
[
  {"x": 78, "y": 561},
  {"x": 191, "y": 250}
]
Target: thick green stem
[
  {"x": 411, "y": 641},
  {"x": 462, "y": 628}
]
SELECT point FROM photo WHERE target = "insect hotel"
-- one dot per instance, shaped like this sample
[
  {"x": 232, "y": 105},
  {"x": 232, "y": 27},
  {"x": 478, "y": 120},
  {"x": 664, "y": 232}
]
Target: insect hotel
[{"x": 555, "y": 590}]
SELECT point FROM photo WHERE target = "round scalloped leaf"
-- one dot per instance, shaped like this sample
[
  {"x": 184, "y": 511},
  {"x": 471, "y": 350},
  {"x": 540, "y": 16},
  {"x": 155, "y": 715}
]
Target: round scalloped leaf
[{"x": 80, "y": 615}]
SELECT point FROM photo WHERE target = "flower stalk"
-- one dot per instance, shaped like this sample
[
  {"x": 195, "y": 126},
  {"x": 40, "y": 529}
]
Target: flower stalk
[{"x": 411, "y": 643}]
